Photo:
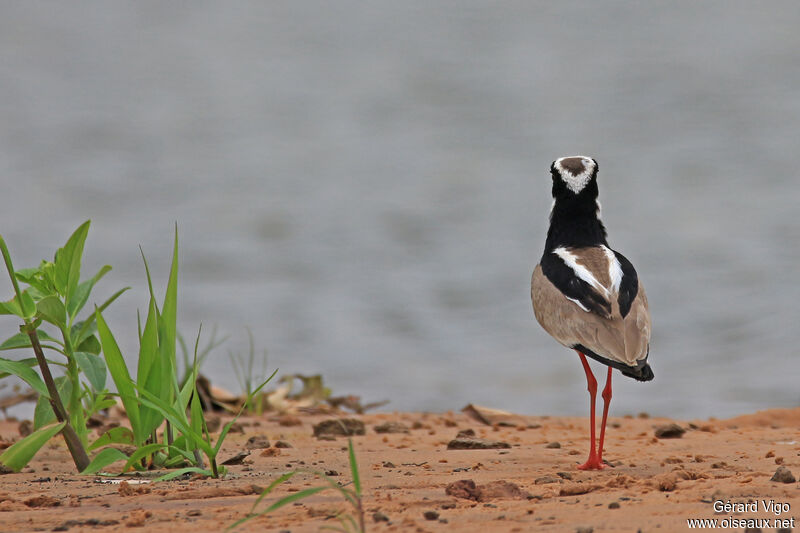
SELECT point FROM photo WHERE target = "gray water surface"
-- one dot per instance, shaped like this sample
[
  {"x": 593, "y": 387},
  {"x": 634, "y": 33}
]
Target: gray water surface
[{"x": 366, "y": 186}]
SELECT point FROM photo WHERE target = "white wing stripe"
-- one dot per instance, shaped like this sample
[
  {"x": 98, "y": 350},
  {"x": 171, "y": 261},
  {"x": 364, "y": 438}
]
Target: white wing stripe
[
  {"x": 614, "y": 269},
  {"x": 581, "y": 271},
  {"x": 578, "y": 302}
]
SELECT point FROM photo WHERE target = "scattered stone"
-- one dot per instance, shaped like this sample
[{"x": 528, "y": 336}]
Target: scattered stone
[
  {"x": 492, "y": 417},
  {"x": 583, "y": 529},
  {"x": 194, "y": 512},
  {"x": 495, "y": 490},
  {"x": 126, "y": 489},
  {"x": 564, "y": 475},
  {"x": 137, "y": 518},
  {"x": 88, "y": 522},
  {"x": 331, "y": 473},
  {"x": 378, "y": 516},
  {"x": 468, "y": 490},
  {"x": 544, "y": 480},
  {"x": 448, "y": 505},
  {"x": 339, "y": 427},
  {"x": 288, "y": 421},
  {"x": 553, "y": 445},
  {"x": 783, "y": 475},
  {"x": 388, "y": 464},
  {"x": 236, "y": 427},
  {"x": 237, "y": 459},
  {"x": 666, "y": 482},
  {"x": 257, "y": 442},
  {"x": 5, "y": 470},
  {"x": 282, "y": 444},
  {"x": 613, "y": 505},
  {"x": 42, "y": 501},
  {"x": 270, "y": 452},
  {"x": 576, "y": 489},
  {"x": 476, "y": 444},
  {"x": 669, "y": 431},
  {"x": 25, "y": 428},
  {"x": 213, "y": 492},
  {"x": 463, "y": 488},
  {"x": 391, "y": 427},
  {"x": 466, "y": 434},
  {"x": 431, "y": 515}
]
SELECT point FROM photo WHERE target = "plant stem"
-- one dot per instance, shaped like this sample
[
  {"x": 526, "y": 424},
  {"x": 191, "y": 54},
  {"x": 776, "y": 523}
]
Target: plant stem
[
  {"x": 360, "y": 509},
  {"x": 72, "y": 439}
]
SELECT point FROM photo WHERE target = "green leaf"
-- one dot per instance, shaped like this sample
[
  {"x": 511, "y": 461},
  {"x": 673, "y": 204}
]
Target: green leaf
[
  {"x": 12, "y": 307},
  {"x": 83, "y": 290},
  {"x": 169, "y": 315},
  {"x": 32, "y": 362},
  {"x": 43, "y": 413},
  {"x": 20, "y": 453},
  {"x": 354, "y": 468},
  {"x": 182, "y": 471},
  {"x": 119, "y": 373},
  {"x": 88, "y": 326},
  {"x": 22, "y": 340},
  {"x": 149, "y": 375},
  {"x": 142, "y": 452},
  {"x": 117, "y": 435},
  {"x": 93, "y": 367},
  {"x": 27, "y": 275},
  {"x": 261, "y": 496},
  {"x": 52, "y": 310},
  {"x": 68, "y": 263},
  {"x": 25, "y": 373},
  {"x": 177, "y": 419},
  {"x": 280, "y": 503},
  {"x": 103, "y": 459},
  {"x": 227, "y": 427},
  {"x": 90, "y": 344}
]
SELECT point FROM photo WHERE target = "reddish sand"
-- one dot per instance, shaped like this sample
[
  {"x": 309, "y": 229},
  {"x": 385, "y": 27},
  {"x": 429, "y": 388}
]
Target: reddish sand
[{"x": 654, "y": 485}]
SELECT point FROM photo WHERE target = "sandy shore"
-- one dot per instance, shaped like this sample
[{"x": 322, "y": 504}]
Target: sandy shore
[{"x": 654, "y": 484}]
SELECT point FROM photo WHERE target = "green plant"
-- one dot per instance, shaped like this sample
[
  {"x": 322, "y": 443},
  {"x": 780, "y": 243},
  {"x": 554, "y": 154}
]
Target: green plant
[
  {"x": 348, "y": 522},
  {"x": 243, "y": 367},
  {"x": 55, "y": 296},
  {"x": 157, "y": 396}
]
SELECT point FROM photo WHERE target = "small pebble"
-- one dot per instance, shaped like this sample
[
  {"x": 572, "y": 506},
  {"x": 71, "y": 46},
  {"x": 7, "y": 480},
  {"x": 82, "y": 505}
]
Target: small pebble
[
  {"x": 431, "y": 515},
  {"x": 553, "y": 445},
  {"x": 669, "y": 431},
  {"x": 783, "y": 475},
  {"x": 613, "y": 505}
]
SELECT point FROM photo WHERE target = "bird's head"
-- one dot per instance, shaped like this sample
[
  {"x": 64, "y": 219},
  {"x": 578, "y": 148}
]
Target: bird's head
[{"x": 574, "y": 176}]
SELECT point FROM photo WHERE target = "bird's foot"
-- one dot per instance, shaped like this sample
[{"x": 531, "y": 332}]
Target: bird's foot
[{"x": 593, "y": 463}]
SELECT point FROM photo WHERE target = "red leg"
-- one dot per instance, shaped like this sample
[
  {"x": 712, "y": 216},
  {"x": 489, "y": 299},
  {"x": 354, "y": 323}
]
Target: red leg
[
  {"x": 606, "y": 402},
  {"x": 593, "y": 462}
]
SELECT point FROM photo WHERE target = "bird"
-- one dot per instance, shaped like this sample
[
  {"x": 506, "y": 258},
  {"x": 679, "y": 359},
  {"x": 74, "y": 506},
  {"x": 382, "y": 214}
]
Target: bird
[{"x": 587, "y": 296}]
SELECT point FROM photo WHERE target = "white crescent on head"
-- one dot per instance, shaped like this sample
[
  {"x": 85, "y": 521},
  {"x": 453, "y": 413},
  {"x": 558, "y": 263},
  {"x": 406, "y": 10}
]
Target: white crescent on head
[{"x": 575, "y": 171}]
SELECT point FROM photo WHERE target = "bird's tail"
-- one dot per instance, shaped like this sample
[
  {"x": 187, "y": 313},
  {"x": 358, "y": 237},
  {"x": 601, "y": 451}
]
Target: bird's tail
[{"x": 644, "y": 373}]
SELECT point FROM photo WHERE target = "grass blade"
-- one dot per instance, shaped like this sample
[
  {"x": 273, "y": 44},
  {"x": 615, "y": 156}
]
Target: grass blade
[
  {"x": 354, "y": 468},
  {"x": 182, "y": 471},
  {"x": 103, "y": 459},
  {"x": 119, "y": 373},
  {"x": 21, "y": 452},
  {"x": 25, "y": 373}
]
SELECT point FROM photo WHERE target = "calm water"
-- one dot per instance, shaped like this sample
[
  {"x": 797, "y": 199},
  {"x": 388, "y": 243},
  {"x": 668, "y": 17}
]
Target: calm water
[{"x": 366, "y": 186}]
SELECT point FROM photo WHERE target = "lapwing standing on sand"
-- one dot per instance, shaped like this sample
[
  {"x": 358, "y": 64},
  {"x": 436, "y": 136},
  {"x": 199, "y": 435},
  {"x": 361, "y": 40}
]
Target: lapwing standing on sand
[{"x": 587, "y": 296}]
